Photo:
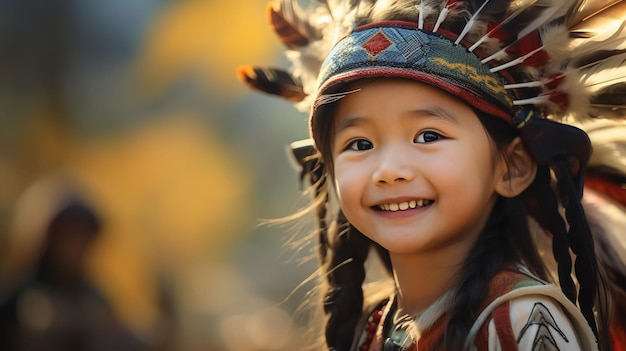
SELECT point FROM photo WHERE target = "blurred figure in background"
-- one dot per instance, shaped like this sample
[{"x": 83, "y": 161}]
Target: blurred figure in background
[{"x": 55, "y": 306}]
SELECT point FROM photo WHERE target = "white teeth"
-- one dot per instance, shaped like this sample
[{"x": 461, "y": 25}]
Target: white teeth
[{"x": 402, "y": 206}]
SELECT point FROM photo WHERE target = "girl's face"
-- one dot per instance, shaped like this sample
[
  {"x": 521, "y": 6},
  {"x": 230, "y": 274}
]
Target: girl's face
[{"x": 413, "y": 166}]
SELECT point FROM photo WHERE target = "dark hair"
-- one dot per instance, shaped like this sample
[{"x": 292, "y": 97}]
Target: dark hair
[{"x": 505, "y": 240}]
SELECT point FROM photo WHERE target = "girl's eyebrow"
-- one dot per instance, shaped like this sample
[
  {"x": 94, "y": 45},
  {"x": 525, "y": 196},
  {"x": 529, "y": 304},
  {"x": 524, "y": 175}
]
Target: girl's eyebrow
[
  {"x": 436, "y": 112},
  {"x": 348, "y": 122}
]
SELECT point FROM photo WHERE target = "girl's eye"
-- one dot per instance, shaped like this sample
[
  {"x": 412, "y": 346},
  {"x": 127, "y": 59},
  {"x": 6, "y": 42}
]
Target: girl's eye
[
  {"x": 360, "y": 145},
  {"x": 427, "y": 137}
]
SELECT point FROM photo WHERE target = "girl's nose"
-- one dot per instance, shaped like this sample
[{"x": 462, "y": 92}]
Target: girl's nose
[{"x": 394, "y": 166}]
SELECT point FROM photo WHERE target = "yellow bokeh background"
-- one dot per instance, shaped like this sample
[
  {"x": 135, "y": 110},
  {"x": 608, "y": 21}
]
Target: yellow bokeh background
[
  {"x": 176, "y": 193},
  {"x": 212, "y": 37}
]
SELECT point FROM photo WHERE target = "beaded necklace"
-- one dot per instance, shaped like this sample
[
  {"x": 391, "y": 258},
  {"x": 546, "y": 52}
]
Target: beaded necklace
[{"x": 396, "y": 340}]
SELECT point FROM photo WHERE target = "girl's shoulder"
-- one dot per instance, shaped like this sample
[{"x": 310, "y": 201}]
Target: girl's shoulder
[{"x": 526, "y": 313}]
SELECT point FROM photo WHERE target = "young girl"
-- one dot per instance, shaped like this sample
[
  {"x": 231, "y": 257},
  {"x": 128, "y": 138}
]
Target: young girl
[{"x": 428, "y": 125}]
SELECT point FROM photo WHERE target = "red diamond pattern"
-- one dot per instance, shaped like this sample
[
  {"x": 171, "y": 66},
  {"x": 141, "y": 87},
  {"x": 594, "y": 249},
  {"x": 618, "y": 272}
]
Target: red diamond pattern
[{"x": 377, "y": 44}]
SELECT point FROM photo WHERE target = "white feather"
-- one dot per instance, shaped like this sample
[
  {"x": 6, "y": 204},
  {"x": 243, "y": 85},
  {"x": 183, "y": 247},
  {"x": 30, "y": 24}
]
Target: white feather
[
  {"x": 585, "y": 8},
  {"x": 344, "y": 14},
  {"x": 610, "y": 40},
  {"x": 306, "y": 63},
  {"x": 581, "y": 84},
  {"x": 420, "y": 8},
  {"x": 515, "y": 61},
  {"x": 556, "y": 9},
  {"x": 380, "y": 8},
  {"x": 614, "y": 41},
  {"x": 293, "y": 13},
  {"x": 605, "y": 73},
  {"x": 442, "y": 16},
  {"x": 470, "y": 23}
]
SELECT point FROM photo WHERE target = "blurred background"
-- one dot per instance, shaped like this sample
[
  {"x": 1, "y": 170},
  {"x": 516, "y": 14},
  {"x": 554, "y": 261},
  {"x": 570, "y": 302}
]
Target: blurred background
[{"x": 123, "y": 128}]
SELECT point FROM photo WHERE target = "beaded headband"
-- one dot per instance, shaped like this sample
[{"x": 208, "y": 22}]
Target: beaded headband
[{"x": 401, "y": 50}]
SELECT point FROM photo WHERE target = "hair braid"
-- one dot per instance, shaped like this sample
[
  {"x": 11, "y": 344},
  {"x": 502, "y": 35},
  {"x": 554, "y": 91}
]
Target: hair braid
[
  {"x": 343, "y": 301},
  {"x": 321, "y": 208},
  {"x": 544, "y": 207},
  {"x": 586, "y": 266}
]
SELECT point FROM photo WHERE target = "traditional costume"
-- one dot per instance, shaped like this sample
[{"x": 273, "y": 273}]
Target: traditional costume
[{"x": 521, "y": 312}]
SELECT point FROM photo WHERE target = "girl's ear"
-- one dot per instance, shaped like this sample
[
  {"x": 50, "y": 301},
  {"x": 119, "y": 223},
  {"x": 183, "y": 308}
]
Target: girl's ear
[{"x": 517, "y": 170}]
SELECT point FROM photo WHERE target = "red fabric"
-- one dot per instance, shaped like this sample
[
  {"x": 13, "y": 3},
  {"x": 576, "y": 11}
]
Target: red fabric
[
  {"x": 495, "y": 32},
  {"x": 377, "y": 44},
  {"x": 614, "y": 191},
  {"x": 502, "y": 321},
  {"x": 526, "y": 45},
  {"x": 555, "y": 81},
  {"x": 560, "y": 98},
  {"x": 501, "y": 284},
  {"x": 428, "y": 340},
  {"x": 453, "y": 4},
  {"x": 618, "y": 335}
]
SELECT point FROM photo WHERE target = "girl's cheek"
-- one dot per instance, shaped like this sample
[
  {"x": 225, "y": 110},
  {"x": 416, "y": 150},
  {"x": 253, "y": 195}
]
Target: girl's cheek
[{"x": 344, "y": 182}]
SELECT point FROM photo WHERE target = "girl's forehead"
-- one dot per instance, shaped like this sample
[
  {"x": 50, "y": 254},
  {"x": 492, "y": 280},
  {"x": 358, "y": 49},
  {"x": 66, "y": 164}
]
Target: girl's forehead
[
  {"x": 394, "y": 86},
  {"x": 362, "y": 95}
]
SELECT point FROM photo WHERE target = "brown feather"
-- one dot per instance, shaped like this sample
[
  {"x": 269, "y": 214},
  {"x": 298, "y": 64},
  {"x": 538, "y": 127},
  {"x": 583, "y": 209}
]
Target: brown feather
[
  {"x": 287, "y": 32},
  {"x": 272, "y": 81}
]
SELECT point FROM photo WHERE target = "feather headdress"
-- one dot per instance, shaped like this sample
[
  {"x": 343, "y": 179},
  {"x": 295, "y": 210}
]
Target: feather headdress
[
  {"x": 565, "y": 57},
  {"x": 542, "y": 65}
]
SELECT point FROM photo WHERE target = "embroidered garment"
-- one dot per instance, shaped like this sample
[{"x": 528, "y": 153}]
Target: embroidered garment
[
  {"x": 536, "y": 318},
  {"x": 521, "y": 313}
]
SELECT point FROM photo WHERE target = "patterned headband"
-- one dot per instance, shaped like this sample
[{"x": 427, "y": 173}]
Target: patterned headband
[{"x": 401, "y": 50}]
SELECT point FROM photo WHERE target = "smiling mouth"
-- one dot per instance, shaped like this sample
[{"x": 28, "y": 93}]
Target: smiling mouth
[{"x": 403, "y": 206}]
